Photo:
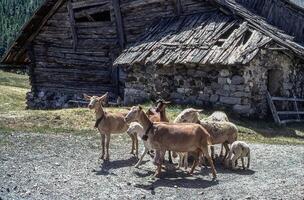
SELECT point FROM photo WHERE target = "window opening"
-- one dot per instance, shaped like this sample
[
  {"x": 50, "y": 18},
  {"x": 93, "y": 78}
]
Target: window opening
[{"x": 104, "y": 16}]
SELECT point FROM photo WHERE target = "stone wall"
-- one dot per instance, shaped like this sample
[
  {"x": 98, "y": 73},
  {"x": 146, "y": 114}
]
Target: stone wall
[
  {"x": 45, "y": 99},
  {"x": 239, "y": 88}
]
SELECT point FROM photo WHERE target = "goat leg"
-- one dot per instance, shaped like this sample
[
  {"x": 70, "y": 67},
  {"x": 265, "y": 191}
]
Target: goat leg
[
  {"x": 248, "y": 161},
  {"x": 158, "y": 171},
  {"x": 133, "y": 145},
  {"x": 170, "y": 157},
  {"x": 108, "y": 138},
  {"x": 206, "y": 153},
  {"x": 102, "y": 142},
  {"x": 226, "y": 151},
  {"x": 222, "y": 150},
  {"x": 243, "y": 165},
  {"x": 234, "y": 161},
  {"x": 212, "y": 152},
  {"x": 142, "y": 157},
  {"x": 136, "y": 146},
  {"x": 195, "y": 162}
]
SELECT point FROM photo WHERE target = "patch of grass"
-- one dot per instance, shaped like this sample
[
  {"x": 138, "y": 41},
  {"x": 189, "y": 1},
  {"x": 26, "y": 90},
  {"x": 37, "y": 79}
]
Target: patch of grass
[
  {"x": 15, "y": 118},
  {"x": 15, "y": 80}
]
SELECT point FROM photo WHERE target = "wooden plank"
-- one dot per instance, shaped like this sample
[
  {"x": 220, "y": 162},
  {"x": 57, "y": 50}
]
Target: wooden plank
[
  {"x": 291, "y": 120},
  {"x": 290, "y": 112},
  {"x": 286, "y": 99},
  {"x": 72, "y": 24},
  {"x": 87, "y": 3},
  {"x": 295, "y": 104},
  {"x": 178, "y": 7},
  {"x": 273, "y": 109},
  {"x": 119, "y": 23}
]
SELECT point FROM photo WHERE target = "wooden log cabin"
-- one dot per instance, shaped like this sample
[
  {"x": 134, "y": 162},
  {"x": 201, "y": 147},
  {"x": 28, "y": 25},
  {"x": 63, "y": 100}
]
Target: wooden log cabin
[{"x": 98, "y": 46}]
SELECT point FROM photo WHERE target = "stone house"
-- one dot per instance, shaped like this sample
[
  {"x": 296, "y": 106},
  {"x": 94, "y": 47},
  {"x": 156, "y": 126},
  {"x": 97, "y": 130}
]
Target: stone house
[
  {"x": 201, "y": 52},
  {"x": 214, "y": 58}
]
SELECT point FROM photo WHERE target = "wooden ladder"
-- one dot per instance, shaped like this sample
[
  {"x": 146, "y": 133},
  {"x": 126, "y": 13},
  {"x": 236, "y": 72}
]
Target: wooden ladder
[{"x": 276, "y": 114}]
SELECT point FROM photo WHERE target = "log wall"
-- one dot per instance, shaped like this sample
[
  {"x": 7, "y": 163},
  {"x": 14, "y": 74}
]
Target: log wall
[
  {"x": 75, "y": 49},
  {"x": 69, "y": 66}
]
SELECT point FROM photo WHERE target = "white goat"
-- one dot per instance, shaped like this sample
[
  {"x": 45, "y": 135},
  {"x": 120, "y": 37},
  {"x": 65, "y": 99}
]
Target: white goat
[
  {"x": 239, "y": 150},
  {"x": 137, "y": 130}
]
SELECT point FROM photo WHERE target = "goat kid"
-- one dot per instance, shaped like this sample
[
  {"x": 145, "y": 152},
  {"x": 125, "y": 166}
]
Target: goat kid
[{"x": 138, "y": 131}]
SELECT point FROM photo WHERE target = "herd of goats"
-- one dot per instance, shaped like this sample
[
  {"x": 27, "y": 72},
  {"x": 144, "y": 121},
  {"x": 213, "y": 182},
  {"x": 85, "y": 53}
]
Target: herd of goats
[{"x": 186, "y": 136}]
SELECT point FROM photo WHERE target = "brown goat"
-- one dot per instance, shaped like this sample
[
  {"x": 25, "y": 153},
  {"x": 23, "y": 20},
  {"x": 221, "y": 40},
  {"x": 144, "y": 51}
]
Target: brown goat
[
  {"x": 188, "y": 137},
  {"x": 161, "y": 109},
  {"x": 108, "y": 123}
]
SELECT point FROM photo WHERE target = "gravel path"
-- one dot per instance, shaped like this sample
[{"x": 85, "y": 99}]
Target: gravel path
[{"x": 34, "y": 166}]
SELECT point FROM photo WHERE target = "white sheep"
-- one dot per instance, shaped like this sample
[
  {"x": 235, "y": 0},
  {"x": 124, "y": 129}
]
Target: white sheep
[
  {"x": 239, "y": 150},
  {"x": 189, "y": 115},
  {"x": 217, "y": 116},
  {"x": 138, "y": 131},
  {"x": 218, "y": 125}
]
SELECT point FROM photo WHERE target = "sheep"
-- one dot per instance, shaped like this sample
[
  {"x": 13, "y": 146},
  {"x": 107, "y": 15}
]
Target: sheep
[
  {"x": 218, "y": 126},
  {"x": 189, "y": 115},
  {"x": 217, "y": 116},
  {"x": 221, "y": 133},
  {"x": 138, "y": 132},
  {"x": 239, "y": 150}
]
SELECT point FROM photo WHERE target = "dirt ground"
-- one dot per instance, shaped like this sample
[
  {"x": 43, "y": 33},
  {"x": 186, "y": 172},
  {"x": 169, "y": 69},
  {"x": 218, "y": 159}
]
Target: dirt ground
[{"x": 35, "y": 166}]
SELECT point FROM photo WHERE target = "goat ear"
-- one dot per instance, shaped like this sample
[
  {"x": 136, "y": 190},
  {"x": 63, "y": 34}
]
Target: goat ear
[
  {"x": 199, "y": 110},
  {"x": 103, "y": 97},
  {"x": 86, "y": 97},
  {"x": 140, "y": 108}
]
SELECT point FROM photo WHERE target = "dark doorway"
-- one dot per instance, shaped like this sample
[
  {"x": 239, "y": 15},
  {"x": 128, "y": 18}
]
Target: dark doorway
[{"x": 275, "y": 82}]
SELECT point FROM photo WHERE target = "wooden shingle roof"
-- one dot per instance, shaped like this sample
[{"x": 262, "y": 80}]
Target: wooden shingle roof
[
  {"x": 203, "y": 38},
  {"x": 206, "y": 38}
]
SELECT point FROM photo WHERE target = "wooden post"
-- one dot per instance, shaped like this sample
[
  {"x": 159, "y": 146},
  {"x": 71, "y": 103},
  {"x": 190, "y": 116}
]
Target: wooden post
[
  {"x": 295, "y": 104},
  {"x": 72, "y": 23},
  {"x": 121, "y": 37},
  {"x": 273, "y": 109},
  {"x": 119, "y": 23}
]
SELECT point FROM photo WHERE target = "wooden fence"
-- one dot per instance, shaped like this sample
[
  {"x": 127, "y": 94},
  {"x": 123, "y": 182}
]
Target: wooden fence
[{"x": 295, "y": 115}]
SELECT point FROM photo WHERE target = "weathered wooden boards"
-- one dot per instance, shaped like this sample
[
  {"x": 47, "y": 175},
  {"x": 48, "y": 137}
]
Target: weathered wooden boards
[
  {"x": 73, "y": 56},
  {"x": 203, "y": 38},
  {"x": 260, "y": 24},
  {"x": 281, "y": 13}
]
